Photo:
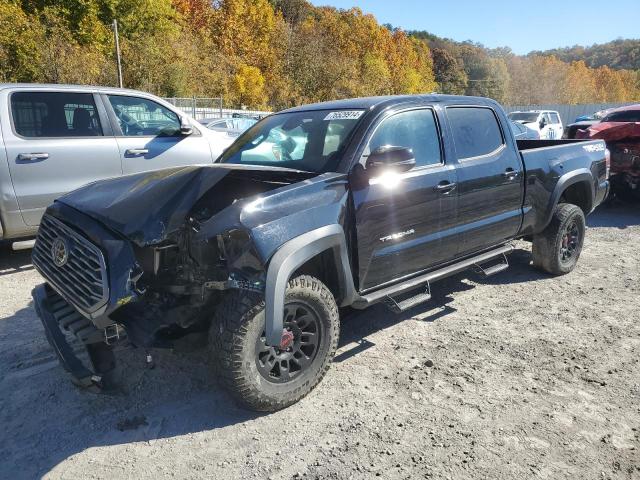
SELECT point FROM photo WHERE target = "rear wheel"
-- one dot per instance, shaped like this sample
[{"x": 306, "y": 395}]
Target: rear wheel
[
  {"x": 267, "y": 377},
  {"x": 556, "y": 250}
]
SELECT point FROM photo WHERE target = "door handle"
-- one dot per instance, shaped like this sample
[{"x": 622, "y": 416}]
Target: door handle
[
  {"x": 136, "y": 152},
  {"x": 445, "y": 187},
  {"x": 510, "y": 173},
  {"x": 32, "y": 157}
]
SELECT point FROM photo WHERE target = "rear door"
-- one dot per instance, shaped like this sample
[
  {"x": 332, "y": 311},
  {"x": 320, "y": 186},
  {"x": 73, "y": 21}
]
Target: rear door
[
  {"x": 404, "y": 221},
  {"x": 490, "y": 178},
  {"x": 58, "y": 141},
  {"x": 149, "y": 137}
]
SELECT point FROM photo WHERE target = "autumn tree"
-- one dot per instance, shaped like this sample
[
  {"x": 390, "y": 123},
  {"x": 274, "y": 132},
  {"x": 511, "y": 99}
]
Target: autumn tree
[
  {"x": 448, "y": 72},
  {"x": 279, "y": 53}
]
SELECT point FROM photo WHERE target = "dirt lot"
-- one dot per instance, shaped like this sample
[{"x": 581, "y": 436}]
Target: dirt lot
[{"x": 515, "y": 376}]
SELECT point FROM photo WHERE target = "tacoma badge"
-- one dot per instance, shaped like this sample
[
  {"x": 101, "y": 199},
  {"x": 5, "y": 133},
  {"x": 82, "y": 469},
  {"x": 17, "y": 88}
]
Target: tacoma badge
[{"x": 397, "y": 236}]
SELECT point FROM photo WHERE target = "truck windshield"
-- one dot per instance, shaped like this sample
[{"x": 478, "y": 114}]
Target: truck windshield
[
  {"x": 310, "y": 141},
  {"x": 524, "y": 117}
]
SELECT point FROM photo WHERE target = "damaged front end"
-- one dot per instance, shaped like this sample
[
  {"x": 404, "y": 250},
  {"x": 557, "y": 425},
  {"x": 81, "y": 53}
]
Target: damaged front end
[{"x": 145, "y": 259}]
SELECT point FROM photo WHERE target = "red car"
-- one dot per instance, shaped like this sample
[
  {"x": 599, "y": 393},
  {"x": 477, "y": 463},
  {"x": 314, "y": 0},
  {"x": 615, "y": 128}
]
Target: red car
[{"x": 620, "y": 128}]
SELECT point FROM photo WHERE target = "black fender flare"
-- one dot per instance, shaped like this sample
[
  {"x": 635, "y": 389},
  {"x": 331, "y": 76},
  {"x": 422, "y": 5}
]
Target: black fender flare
[
  {"x": 564, "y": 182},
  {"x": 289, "y": 257}
]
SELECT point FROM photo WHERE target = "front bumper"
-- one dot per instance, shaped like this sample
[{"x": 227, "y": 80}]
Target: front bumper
[{"x": 57, "y": 315}]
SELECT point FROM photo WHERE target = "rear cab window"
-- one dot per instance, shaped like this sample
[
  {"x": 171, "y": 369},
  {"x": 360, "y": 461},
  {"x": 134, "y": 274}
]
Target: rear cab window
[
  {"x": 476, "y": 131},
  {"x": 54, "y": 114}
]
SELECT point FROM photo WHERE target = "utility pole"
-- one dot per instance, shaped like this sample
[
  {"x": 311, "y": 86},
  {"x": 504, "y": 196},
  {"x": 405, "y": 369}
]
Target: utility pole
[{"x": 115, "y": 35}]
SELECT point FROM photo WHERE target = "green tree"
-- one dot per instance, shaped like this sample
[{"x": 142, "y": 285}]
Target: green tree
[
  {"x": 448, "y": 72},
  {"x": 20, "y": 39}
]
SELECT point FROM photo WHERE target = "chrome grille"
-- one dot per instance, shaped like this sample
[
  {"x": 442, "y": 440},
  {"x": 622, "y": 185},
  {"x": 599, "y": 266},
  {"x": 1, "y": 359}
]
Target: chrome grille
[{"x": 82, "y": 277}]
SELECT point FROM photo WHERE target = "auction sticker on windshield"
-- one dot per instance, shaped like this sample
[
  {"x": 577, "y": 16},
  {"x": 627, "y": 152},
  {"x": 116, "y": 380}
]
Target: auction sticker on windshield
[{"x": 344, "y": 115}]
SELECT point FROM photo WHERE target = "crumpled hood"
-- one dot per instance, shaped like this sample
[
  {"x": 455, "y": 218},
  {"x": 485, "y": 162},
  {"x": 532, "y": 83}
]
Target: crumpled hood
[{"x": 149, "y": 207}]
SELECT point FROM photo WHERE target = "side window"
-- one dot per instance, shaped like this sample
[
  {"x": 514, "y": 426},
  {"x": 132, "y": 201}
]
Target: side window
[
  {"x": 555, "y": 118},
  {"x": 54, "y": 114},
  {"x": 476, "y": 131},
  {"x": 218, "y": 124},
  {"x": 414, "y": 129},
  {"x": 141, "y": 117}
]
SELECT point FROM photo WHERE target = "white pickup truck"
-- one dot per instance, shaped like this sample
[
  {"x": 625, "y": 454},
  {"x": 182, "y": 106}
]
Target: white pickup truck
[
  {"x": 56, "y": 138},
  {"x": 546, "y": 122}
]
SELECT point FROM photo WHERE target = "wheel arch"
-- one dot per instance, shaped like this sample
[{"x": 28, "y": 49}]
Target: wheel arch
[
  {"x": 323, "y": 243},
  {"x": 575, "y": 187}
]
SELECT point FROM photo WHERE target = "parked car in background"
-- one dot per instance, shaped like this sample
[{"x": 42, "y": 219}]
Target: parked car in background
[
  {"x": 583, "y": 122},
  {"x": 231, "y": 126},
  {"x": 522, "y": 132},
  {"x": 56, "y": 138},
  {"x": 257, "y": 252},
  {"x": 546, "y": 122},
  {"x": 620, "y": 129}
]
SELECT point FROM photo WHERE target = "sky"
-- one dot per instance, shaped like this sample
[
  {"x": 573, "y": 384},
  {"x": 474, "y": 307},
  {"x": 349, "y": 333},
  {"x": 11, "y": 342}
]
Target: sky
[{"x": 523, "y": 25}]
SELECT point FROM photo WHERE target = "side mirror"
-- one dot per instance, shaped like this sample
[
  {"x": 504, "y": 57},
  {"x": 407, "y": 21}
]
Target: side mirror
[
  {"x": 185, "y": 127},
  {"x": 398, "y": 159},
  {"x": 543, "y": 123}
]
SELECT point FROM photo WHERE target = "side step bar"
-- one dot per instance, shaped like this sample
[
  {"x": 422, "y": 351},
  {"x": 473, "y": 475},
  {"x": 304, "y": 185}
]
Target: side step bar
[
  {"x": 403, "y": 303},
  {"x": 395, "y": 290},
  {"x": 496, "y": 268}
]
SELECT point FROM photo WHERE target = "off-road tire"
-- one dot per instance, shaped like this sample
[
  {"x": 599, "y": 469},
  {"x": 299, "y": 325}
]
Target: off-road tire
[
  {"x": 239, "y": 322},
  {"x": 547, "y": 246}
]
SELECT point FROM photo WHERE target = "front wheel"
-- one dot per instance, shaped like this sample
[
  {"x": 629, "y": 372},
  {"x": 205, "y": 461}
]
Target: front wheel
[
  {"x": 268, "y": 378},
  {"x": 556, "y": 250}
]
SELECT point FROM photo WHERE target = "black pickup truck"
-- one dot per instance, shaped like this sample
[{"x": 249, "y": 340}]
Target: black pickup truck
[{"x": 339, "y": 204}]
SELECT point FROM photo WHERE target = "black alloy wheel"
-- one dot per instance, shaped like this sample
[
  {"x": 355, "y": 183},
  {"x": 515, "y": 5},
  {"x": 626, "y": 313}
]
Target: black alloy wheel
[{"x": 301, "y": 337}]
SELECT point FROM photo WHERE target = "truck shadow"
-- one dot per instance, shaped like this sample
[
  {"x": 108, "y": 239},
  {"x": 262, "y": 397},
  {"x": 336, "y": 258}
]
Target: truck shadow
[
  {"x": 617, "y": 214},
  {"x": 14, "y": 262},
  {"x": 357, "y": 325}
]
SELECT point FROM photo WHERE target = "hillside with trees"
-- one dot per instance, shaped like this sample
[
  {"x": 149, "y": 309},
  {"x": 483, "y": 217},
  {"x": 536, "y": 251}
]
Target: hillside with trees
[
  {"x": 619, "y": 54},
  {"x": 537, "y": 78},
  {"x": 275, "y": 53}
]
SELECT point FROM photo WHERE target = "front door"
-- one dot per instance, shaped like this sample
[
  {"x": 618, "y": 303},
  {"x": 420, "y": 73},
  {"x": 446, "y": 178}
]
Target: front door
[
  {"x": 490, "y": 177},
  {"x": 150, "y": 137},
  {"x": 58, "y": 141},
  {"x": 402, "y": 220}
]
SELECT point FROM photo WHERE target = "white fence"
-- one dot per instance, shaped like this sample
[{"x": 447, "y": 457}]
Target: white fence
[
  {"x": 568, "y": 113},
  {"x": 200, "y": 108}
]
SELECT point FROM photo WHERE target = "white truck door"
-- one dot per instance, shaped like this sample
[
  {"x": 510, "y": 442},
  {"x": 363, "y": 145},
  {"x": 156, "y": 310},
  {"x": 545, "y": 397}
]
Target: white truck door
[
  {"x": 546, "y": 131},
  {"x": 149, "y": 136},
  {"x": 556, "y": 123},
  {"x": 56, "y": 141}
]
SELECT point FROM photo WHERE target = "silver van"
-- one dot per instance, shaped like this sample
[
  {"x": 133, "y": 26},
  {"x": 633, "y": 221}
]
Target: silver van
[{"x": 56, "y": 138}]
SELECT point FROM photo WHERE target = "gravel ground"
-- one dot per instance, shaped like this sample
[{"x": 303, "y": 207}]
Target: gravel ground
[{"x": 519, "y": 375}]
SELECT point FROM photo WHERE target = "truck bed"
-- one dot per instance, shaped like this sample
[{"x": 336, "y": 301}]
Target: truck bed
[
  {"x": 533, "y": 144},
  {"x": 546, "y": 162}
]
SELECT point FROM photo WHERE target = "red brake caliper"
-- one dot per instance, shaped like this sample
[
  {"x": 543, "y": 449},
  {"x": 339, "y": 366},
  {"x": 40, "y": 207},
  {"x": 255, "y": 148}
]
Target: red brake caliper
[{"x": 287, "y": 339}]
